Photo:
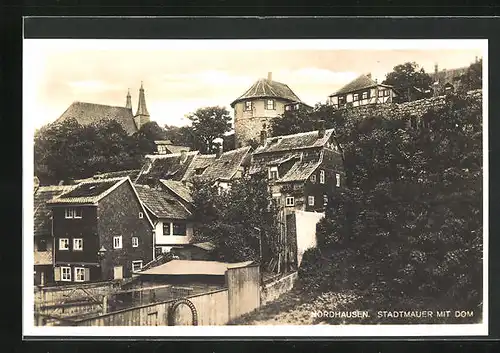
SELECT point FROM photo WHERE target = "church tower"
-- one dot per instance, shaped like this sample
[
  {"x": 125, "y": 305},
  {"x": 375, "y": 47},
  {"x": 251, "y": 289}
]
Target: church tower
[
  {"x": 128, "y": 105},
  {"x": 142, "y": 115}
]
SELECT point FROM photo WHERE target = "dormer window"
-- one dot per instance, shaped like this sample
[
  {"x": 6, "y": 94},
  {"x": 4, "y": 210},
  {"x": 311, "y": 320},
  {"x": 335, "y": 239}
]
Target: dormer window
[
  {"x": 248, "y": 105},
  {"x": 270, "y": 104},
  {"x": 273, "y": 173}
]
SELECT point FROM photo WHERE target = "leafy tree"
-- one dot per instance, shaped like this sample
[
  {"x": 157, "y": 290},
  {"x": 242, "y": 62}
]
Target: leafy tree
[
  {"x": 473, "y": 77},
  {"x": 410, "y": 224},
  {"x": 236, "y": 220},
  {"x": 180, "y": 135},
  {"x": 409, "y": 81},
  {"x": 208, "y": 124}
]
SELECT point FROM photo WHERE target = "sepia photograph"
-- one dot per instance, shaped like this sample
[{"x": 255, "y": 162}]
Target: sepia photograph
[{"x": 254, "y": 187}]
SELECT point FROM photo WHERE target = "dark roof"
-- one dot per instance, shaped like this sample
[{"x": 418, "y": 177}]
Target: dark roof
[
  {"x": 298, "y": 141},
  {"x": 199, "y": 164},
  {"x": 359, "y": 83},
  {"x": 264, "y": 88},
  {"x": 89, "y": 113},
  {"x": 300, "y": 171},
  {"x": 258, "y": 166},
  {"x": 165, "y": 166},
  {"x": 88, "y": 191},
  {"x": 226, "y": 166},
  {"x": 41, "y": 215},
  {"x": 178, "y": 188},
  {"x": 161, "y": 204}
]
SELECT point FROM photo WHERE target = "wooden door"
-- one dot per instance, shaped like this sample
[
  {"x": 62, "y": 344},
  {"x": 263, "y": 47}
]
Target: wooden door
[{"x": 118, "y": 272}]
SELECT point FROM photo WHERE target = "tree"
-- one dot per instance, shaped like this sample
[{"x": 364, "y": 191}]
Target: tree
[
  {"x": 411, "y": 221},
  {"x": 237, "y": 221},
  {"x": 180, "y": 135},
  {"x": 208, "y": 124},
  {"x": 473, "y": 77},
  {"x": 409, "y": 81}
]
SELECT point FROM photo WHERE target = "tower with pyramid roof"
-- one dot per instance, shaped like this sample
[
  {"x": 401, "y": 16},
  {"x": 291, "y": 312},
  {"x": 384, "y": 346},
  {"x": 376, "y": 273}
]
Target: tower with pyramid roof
[
  {"x": 128, "y": 105},
  {"x": 142, "y": 115}
]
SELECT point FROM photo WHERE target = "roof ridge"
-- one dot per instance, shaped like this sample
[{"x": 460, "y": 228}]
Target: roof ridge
[
  {"x": 103, "y": 105},
  {"x": 298, "y": 134}
]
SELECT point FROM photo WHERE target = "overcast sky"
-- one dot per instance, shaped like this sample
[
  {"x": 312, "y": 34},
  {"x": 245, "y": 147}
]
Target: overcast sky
[{"x": 179, "y": 78}]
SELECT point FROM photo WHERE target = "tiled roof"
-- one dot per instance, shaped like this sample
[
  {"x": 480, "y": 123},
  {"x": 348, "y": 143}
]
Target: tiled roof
[
  {"x": 178, "y": 188},
  {"x": 226, "y": 166},
  {"x": 88, "y": 192},
  {"x": 282, "y": 158},
  {"x": 300, "y": 171},
  {"x": 264, "y": 88},
  {"x": 89, "y": 113},
  {"x": 165, "y": 166},
  {"x": 194, "y": 267},
  {"x": 132, "y": 174},
  {"x": 177, "y": 149},
  {"x": 42, "y": 257},
  {"x": 359, "y": 83},
  {"x": 199, "y": 164},
  {"x": 161, "y": 204},
  {"x": 298, "y": 141},
  {"x": 41, "y": 215}
]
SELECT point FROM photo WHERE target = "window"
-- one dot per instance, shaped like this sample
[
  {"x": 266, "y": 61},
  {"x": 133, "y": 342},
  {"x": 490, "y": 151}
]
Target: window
[
  {"x": 136, "y": 265},
  {"x": 162, "y": 149},
  {"x": 355, "y": 97},
  {"x": 166, "y": 229},
  {"x": 387, "y": 93},
  {"x": 178, "y": 228},
  {"x": 117, "y": 242},
  {"x": 310, "y": 200},
  {"x": 78, "y": 244},
  {"x": 313, "y": 178},
  {"x": 70, "y": 213},
  {"x": 248, "y": 105},
  {"x": 270, "y": 104},
  {"x": 325, "y": 200},
  {"x": 381, "y": 93},
  {"x": 273, "y": 173},
  {"x": 141, "y": 215},
  {"x": 337, "y": 176},
  {"x": 288, "y": 108},
  {"x": 66, "y": 274},
  {"x": 290, "y": 201},
  {"x": 79, "y": 274},
  {"x": 297, "y": 106},
  {"x": 135, "y": 242},
  {"x": 41, "y": 244},
  {"x": 322, "y": 177},
  {"x": 365, "y": 95},
  {"x": 64, "y": 244}
]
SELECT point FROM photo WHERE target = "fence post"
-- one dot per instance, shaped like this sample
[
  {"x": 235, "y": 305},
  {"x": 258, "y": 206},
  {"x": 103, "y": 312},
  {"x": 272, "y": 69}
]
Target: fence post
[{"x": 105, "y": 304}]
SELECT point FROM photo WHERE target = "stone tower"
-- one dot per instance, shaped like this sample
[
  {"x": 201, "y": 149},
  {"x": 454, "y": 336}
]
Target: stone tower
[
  {"x": 128, "y": 105},
  {"x": 142, "y": 115}
]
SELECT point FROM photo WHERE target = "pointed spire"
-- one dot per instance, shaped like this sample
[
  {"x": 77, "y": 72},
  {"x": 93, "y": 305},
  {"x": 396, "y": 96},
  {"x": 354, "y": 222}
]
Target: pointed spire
[
  {"x": 141, "y": 107},
  {"x": 128, "y": 105}
]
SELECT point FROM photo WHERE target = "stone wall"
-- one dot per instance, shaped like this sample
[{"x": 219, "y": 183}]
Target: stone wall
[{"x": 273, "y": 290}]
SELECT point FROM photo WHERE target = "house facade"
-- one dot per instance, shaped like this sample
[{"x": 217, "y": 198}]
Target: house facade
[
  {"x": 101, "y": 231},
  {"x": 362, "y": 91},
  {"x": 43, "y": 245},
  {"x": 302, "y": 169},
  {"x": 263, "y": 102},
  {"x": 171, "y": 219}
]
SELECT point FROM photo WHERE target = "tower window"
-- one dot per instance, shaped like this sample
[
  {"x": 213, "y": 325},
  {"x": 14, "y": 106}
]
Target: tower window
[
  {"x": 248, "y": 105},
  {"x": 270, "y": 104}
]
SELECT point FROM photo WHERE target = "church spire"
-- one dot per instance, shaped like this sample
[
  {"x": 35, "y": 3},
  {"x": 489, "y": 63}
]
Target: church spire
[
  {"x": 142, "y": 115},
  {"x": 141, "y": 107},
  {"x": 128, "y": 105}
]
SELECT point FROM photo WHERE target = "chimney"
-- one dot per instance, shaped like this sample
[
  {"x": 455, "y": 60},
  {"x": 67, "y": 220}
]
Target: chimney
[
  {"x": 476, "y": 59},
  {"x": 436, "y": 70},
  {"x": 263, "y": 137},
  {"x": 269, "y": 76},
  {"x": 220, "y": 149},
  {"x": 369, "y": 75},
  {"x": 321, "y": 129}
]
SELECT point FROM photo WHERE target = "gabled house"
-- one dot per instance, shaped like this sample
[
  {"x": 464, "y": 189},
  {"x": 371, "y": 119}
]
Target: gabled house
[
  {"x": 179, "y": 190},
  {"x": 302, "y": 169},
  {"x": 362, "y": 91},
  {"x": 101, "y": 231},
  {"x": 167, "y": 147},
  {"x": 263, "y": 102},
  {"x": 171, "y": 219},
  {"x": 198, "y": 165},
  {"x": 228, "y": 166},
  {"x": 43, "y": 241}
]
